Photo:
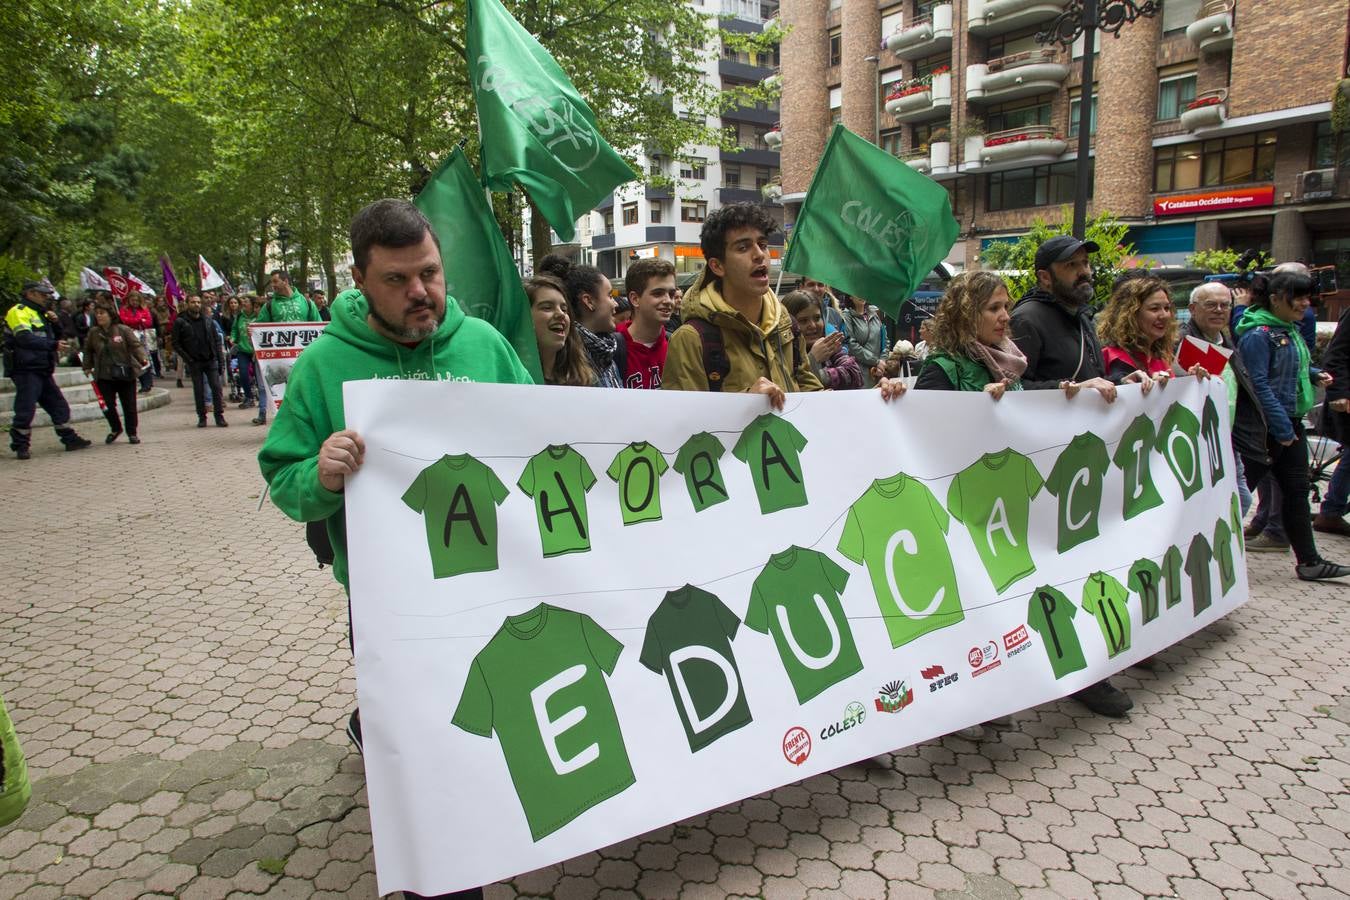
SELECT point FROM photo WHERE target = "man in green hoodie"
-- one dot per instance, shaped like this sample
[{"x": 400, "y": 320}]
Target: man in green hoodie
[
  {"x": 286, "y": 304},
  {"x": 402, "y": 326}
]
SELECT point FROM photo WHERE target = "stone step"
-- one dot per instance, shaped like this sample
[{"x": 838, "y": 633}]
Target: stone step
[
  {"x": 89, "y": 411},
  {"x": 83, "y": 393},
  {"x": 65, "y": 377}
]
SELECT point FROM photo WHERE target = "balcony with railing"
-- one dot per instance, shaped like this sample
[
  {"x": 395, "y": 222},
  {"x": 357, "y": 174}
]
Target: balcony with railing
[
  {"x": 1024, "y": 74},
  {"x": 1212, "y": 30},
  {"x": 1026, "y": 146},
  {"x": 925, "y": 36},
  {"x": 990, "y": 17},
  {"x": 920, "y": 160},
  {"x": 922, "y": 99},
  {"x": 1207, "y": 110}
]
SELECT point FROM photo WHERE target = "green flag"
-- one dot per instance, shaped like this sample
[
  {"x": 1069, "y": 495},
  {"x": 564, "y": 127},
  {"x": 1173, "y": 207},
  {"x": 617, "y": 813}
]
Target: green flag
[
  {"x": 536, "y": 130},
  {"x": 870, "y": 225},
  {"x": 478, "y": 268}
]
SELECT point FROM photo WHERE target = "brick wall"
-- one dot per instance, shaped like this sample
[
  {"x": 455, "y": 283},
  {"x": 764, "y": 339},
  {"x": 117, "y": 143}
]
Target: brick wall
[
  {"x": 858, "y": 76},
  {"x": 1125, "y": 112},
  {"x": 1287, "y": 53},
  {"x": 805, "y": 112}
]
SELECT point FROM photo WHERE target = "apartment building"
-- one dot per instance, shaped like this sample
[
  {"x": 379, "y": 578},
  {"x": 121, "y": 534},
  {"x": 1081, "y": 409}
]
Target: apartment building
[
  {"x": 639, "y": 221},
  {"x": 1210, "y": 122}
]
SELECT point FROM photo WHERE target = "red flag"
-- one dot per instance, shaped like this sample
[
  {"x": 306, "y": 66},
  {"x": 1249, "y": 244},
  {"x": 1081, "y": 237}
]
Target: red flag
[
  {"x": 1212, "y": 356},
  {"x": 117, "y": 283}
]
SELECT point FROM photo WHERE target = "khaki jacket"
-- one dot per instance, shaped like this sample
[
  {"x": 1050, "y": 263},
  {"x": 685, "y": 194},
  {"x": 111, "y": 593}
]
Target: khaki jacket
[{"x": 754, "y": 349}]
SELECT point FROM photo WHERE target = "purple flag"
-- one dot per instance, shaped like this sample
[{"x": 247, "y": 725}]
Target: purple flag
[{"x": 171, "y": 288}]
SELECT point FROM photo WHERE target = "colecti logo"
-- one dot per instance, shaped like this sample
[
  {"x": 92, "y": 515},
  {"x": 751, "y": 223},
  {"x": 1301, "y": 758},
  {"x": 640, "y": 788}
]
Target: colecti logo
[
  {"x": 984, "y": 658},
  {"x": 796, "y": 745},
  {"x": 555, "y": 121},
  {"x": 854, "y": 714}
]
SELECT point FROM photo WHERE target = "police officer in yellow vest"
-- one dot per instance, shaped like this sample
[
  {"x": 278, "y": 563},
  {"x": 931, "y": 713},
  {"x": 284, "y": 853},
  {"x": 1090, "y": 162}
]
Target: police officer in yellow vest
[{"x": 30, "y": 349}]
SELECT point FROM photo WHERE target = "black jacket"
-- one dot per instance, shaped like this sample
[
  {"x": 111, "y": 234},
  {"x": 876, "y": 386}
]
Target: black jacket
[
  {"x": 1336, "y": 362},
  {"x": 1059, "y": 343},
  {"x": 33, "y": 348},
  {"x": 195, "y": 340},
  {"x": 1249, "y": 422},
  {"x": 83, "y": 323}
]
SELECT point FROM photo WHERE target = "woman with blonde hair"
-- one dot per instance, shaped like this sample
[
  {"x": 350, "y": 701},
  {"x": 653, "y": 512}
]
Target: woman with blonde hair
[
  {"x": 562, "y": 355},
  {"x": 971, "y": 347}
]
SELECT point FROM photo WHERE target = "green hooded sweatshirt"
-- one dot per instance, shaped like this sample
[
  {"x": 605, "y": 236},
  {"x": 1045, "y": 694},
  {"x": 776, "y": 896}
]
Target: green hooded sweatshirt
[
  {"x": 14, "y": 786},
  {"x": 462, "y": 349},
  {"x": 295, "y": 308}
]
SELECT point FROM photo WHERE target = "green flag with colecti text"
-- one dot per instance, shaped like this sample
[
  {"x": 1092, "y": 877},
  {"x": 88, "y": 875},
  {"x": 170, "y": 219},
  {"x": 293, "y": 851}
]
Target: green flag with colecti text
[
  {"x": 536, "y": 130},
  {"x": 870, "y": 225},
  {"x": 479, "y": 272}
]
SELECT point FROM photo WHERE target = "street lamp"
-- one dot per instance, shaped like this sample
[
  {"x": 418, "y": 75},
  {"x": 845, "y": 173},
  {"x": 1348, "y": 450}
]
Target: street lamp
[
  {"x": 1084, "y": 18},
  {"x": 284, "y": 236},
  {"x": 876, "y": 108}
]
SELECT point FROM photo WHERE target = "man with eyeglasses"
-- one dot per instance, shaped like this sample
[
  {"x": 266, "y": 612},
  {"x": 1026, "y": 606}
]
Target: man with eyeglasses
[{"x": 1211, "y": 305}]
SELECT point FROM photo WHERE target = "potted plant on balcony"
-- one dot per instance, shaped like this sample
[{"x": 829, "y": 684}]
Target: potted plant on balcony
[
  {"x": 1340, "y": 107},
  {"x": 940, "y": 148},
  {"x": 971, "y": 133}
]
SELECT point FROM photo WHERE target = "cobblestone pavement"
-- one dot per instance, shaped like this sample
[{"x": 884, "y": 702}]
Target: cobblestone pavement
[{"x": 179, "y": 674}]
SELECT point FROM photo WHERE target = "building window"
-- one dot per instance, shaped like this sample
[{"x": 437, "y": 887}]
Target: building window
[
  {"x": 836, "y": 47},
  {"x": 695, "y": 168},
  {"x": 1333, "y": 251},
  {"x": 655, "y": 166},
  {"x": 1234, "y": 160},
  {"x": 1177, "y": 14},
  {"x": 836, "y": 116},
  {"x": 923, "y": 134},
  {"x": 925, "y": 7},
  {"x": 1174, "y": 94},
  {"x": 891, "y": 20},
  {"x": 1018, "y": 114},
  {"x": 607, "y": 221},
  {"x": 926, "y": 65},
  {"x": 763, "y": 175},
  {"x": 693, "y": 211},
  {"x": 731, "y": 175},
  {"x": 891, "y": 141},
  {"x": 1076, "y": 111},
  {"x": 1007, "y": 44},
  {"x": 630, "y": 216},
  {"x": 1330, "y": 149},
  {"x": 1037, "y": 186},
  {"x": 656, "y": 212}
]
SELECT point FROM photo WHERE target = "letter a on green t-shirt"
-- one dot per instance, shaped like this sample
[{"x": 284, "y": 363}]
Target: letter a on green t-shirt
[
  {"x": 898, "y": 530},
  {"x": 539, "y": 685},
  {"x": 698, "y": 462},
  {"x": 558, "y": 479},
  {"x": 796, "y": 599},
  {"x": 770, "y": 446},
  {"x": 638, "y": 469},
  {"x": 992, "y": 496},
  {"x": 458, "y": 498},
  {"x": 1077, "y": 481}
]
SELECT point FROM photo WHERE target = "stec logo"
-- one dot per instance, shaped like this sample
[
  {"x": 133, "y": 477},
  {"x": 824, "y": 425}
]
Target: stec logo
[
  {"x": 938, "y": 677},
  {"x": 1017, "y": 641},
  {"x": 984, "y": 659}
]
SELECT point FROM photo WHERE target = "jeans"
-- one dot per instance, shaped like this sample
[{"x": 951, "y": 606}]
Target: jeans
[
  {"x": 246, "y": 374},
  {"x": 264, "y": 395},
  {"x": 1269, "y": 518},
  {"x": 1337, "y": 497},
  {"x": 202, "y": 377},
  {"x": 1289, "y": 468},
  {"x": 1244, "y": 492},
  {"x": 123, "y": 392},
  {"x": 31, "y": 390}
]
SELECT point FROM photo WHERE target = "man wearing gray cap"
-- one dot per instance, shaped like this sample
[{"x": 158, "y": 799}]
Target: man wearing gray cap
[{"x": 30, "y": 349}]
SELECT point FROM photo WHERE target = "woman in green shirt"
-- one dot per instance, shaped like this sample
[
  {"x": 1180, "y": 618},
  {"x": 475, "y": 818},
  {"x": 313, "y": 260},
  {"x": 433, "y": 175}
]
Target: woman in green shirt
[
  {"x": 243, "y": 347},
  {"x": 971, "y": 348}
]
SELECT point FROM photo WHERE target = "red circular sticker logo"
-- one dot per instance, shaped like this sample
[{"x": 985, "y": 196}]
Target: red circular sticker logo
[
  {"x": 796, "y": 745},
  {"x": 976, "y": 657}
]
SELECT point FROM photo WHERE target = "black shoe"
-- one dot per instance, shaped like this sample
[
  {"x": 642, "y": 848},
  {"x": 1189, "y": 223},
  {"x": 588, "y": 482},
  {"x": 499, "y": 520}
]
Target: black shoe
[
  {"x": 78, "y": 443},
  {"x": 180, "y": 382},
  {"x": 221, "y": 423},
  {"x": 23, "y": 453},
  {"x": 1105, "y": 700},
  {"x": 1321, "y": 571},
  {"x": 1148, "y": 663},
  {"x": 259, "y": 421},
  {"x": 354, "y": 730},
  {"x": 112, "y": 436},
  {"x": 134, "y": 439},
  {"x": 245, "y": 404},
  {"x": 201, "y": 421}
]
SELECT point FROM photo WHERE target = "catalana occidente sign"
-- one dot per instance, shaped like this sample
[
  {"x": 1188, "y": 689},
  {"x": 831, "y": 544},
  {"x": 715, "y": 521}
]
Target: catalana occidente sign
[
  {"x": 581, "y": 615},
  {"x": 1214, "y": 201}
]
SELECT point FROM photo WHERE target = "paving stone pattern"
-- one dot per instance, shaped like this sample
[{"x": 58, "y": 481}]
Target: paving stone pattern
[{"x": 178, "y": 670}]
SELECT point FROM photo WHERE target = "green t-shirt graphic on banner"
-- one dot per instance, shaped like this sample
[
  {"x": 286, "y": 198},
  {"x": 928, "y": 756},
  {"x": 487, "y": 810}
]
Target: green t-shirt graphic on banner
[
  {"x": 1235, "y": 521},
  {"x": 1171, "y": 568},
  {"x": 558, "y": 479},
  {"x": 1106, "y": 599},
  {"x": 1132, "y": 457},
  {"x": 992, "y": 496},
  {"x": 770, "y": 446},
  {"x": 458, "y": 498},
  {"x": 1223, "y": 554},
  {"x": 698, "y": 462},
  {"x": 689, "y": 639},
  {"x": 1077, "y": 480},
  {"x": 1198, "y": 558},
  {"x": 898, "y": 530},
  {"x": 1146, "y": 581},
  {"x": 796, "y": 599},
  {"x": 539, "y": 685},
  {"x": 638, "y": 469},
  {"x": 1050, "y": 614},
  {"x": 1179, "y": 443},
  {"x": 1209, "y": 426}
]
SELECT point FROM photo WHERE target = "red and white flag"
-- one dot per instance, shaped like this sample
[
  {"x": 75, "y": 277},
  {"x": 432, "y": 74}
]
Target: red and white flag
[
  {"x": 117, "y": 283},
  {"x": 136, "y": 284},
  {"x": 1212, "y": 356},
  {"x": 92, "y": 281},
  {"x": 211, "y": 279}
]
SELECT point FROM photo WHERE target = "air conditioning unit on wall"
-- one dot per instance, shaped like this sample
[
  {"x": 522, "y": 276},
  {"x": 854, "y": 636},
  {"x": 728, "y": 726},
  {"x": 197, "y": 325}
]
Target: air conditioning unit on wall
[{"x": 1315, "y": 184}]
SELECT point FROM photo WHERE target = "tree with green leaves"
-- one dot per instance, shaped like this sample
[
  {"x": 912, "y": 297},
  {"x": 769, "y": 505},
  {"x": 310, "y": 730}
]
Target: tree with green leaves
[{"x": 1016, "y": 259}]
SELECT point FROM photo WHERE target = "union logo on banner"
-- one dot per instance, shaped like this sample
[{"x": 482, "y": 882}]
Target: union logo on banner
[{"x": 117, "y": 283}]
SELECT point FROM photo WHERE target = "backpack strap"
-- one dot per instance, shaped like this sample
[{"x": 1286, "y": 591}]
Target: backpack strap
[
  {"x": 716, "y": 363},
  {"x": 621, "y": 356}
]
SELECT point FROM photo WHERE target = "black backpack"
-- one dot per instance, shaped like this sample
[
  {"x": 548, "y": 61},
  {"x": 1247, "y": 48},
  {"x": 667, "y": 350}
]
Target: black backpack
[
  {"x": 716, "y": 363},
  {"x": 316, "y": 535}
]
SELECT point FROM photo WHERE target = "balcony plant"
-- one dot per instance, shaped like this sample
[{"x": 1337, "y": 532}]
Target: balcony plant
[
  {"x": 1018, "y": 138},
  {"x": 1201, "y": 102}
]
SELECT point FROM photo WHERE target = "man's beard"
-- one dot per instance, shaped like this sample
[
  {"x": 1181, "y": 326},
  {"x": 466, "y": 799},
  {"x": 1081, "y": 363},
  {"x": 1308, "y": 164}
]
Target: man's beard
[
  {"x": 405, "y": 334},
  {"x": 1075, "y": 294}
]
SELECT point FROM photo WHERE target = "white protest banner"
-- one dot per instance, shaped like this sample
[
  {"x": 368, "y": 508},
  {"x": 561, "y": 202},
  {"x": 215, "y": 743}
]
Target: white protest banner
[
  {"x": 275, "y": 347},
  {"x": 581, "y": 615}
]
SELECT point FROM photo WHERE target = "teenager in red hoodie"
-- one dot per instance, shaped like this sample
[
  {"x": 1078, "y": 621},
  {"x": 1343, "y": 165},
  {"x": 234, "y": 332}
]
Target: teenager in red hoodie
[{"x": 643, "y": 341}]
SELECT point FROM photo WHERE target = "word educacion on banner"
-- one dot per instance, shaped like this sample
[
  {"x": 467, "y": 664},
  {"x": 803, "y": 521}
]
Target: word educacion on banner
[
  {"x": 276, "y": 346},
  {"x": 512, "y": 621}
]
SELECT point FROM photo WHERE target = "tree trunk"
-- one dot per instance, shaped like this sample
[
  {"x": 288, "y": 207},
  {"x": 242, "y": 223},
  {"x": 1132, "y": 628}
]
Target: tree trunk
[
  {"x": 303, "y": 275},
  {"x": 541, "y": 235},
  {"x": 262, "y": 259}
]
